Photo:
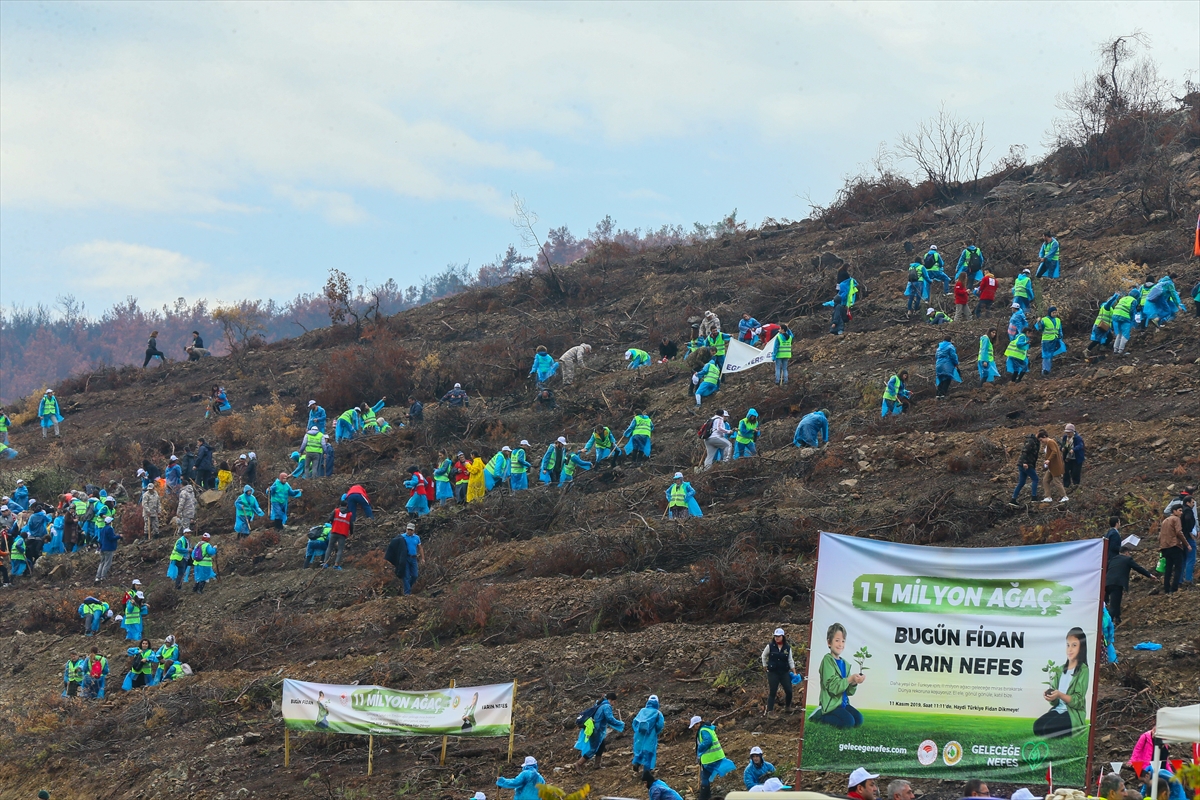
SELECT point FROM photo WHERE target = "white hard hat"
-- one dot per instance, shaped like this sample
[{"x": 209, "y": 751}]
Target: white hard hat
[
  {"x": 694, "y": 722},
  {"x": 530, "y": 761},
  {"x": 933, "y": 247},
  {"x": 136, "y": 582},
  {"x": 756, "y": 751},
  {"x": 254, "y": 455},
  {"x": 525, "y": 443},
  {"x": 628, "y": 354},
  {"x": 506, "y": 449},
  {"x": 928, "y": 311}
]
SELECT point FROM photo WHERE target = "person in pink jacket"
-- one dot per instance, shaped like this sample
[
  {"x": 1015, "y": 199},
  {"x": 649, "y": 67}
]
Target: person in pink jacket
[{"x": 1143, "y": 751}]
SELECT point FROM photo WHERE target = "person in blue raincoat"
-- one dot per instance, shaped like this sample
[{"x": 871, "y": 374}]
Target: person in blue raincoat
[
  {"x": 639, "y": 433},
  {"x": 1016, "y": 358},
  {"x": 55, "y": 545},
  {"x": 895, "y": 394},
  {"x": 180, "y": 560},
  {"x": 946, "y": 366},
  {"x": 986, "y": 363},
  {"x": 544, "y": 366},
  {"x": 553, "y": 461},
  {"x": 168, "y": 652},
  {"x": 574, "y": 463},
  {"x": 443, "y": 475},
  {"x": 1022, "y": 292},
  {"x": 935, "y": 317},
  {"x": 318, "y": 542},
  {"x": 636, "y": 358},
  {"x": 1102, "y": 328},
  {"x": 813, "y": 429},
  {"x": 245, "y": 509},
  {"x": 710, "y": 754},
  {"x": 1017, "y": 323},
  {"x": 917, "y": 290},
  {"x": 602, "y": 442},
  {"x": 218, "y": 402},
  {"x": 758, "y": 769},
  {"x": 348, "y": 425},
  {"x": 278, "y": 495},
  {"x": 970, "y": 263},
  {"x": 418, "y": 501},
  {"x": 495, "y": 472},
  {"x": 657, "y": 789},
  {"x": 647, "y": 727},
  {"x": 525, "y": 784},
  {"x": 93, "y": 611},
  {"x": 20, "y": 498},
  {"x": 681, "y": 499},
  {"x": 707, "y": 380},
  {"x": 73, "y": 672},
  {"x": 136, "y": 611},
  {"x": 49, "y": 412},
  {"x": 1048, "y": 257},
  {"x": 301, "y": 464},
  {"x": 95, "y": 675},
  {"x": 1052, "y": 338},
  {"x": 592, "y": 738},
  {"x": 1108, "y": 635},
  {"x": 1162, "y": 302},
  {"x": 317, "y": 417},
  {"x": 935, "y": 268},
  {"x": 518, "y": 468}
]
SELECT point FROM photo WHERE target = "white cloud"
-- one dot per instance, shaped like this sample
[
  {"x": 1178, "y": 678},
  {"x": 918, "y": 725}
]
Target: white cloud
[{"x": 338, "y": 208}]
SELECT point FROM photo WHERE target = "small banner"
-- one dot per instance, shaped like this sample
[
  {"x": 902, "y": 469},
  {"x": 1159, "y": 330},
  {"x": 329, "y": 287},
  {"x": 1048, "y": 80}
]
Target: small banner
[
  {"x": 375, "y": 710},
  {"x": 740, "y": 356},
  {"x": 931, "y": 662}
]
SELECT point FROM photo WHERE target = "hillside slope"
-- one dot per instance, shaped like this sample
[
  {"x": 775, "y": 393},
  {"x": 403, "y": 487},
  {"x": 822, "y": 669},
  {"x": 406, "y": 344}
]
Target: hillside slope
[{"x": 578, "y": 592}]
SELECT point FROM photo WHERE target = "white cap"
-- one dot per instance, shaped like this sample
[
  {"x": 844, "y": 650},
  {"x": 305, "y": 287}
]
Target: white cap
[
  {"x": 140, "y": 596},
  {"x": 860, "y": 775},
  {"x": 530, "y": 761},
  {"x": 458, "y": 386},
  {"x": 773, "y": 785},
  {"x": 254, "y": 455},
  {"x": 313, "y": 429},
  {"x": 506, "y": 449},
  {"x": 756, "y": 751},
  {"x": 141, "y": 472},
  {"x": 479, "y": 796},
  {"x": 779, "y": 632},
  {"x": 525, "y": 443},
  {"x": 628, "y": 354},
  {"x": 724, "y": 413},
  {"x": 243, "y": 455},
  {"x": 205, "y": 536},
  {"x": 136, "y": 582},
  {"x": 108, "y": 519},
  {"x": 562, "y": 440},
  {"x": 170, "y": 640},
  {"x": 678, "y": 475},
  {"x": 3, "y": 508},
  {"x": 1023, "y": 794},
  {"x": 928, "y": 311},
  {"x": 1024, "y": 272},
  {"x": 174, "y": 458},
  {"x": 312, "y": 403},
  {"x": 187, "y": 530},
  {"x": 20, "y": 482},
  {"x": 1016, "y": 305},
  {"x": 695, "y": 720},
  {"x": 653, "y": 697},
  {"x": 933, "y": 247}
]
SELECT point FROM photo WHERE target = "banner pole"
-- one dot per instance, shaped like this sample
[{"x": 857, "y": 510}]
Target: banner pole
[
  {"x": 812, "y": 604},
  {"x": 1087, "y": 774},
  {"x": 370, "y": 754},
  {"x": 512, "y": 723},
  {"x": 442, "y": 760},
  {"x": 287, "y": 746}
]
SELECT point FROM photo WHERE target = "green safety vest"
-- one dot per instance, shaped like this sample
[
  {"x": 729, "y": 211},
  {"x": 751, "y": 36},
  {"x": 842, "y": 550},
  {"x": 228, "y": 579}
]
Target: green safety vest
[
  {"x": 325, "y": 531},
  {"x": 75, "y": 671},
  {"x": 207, "y": 551},
  {"x": 147, "y": 664},
  {"x": 569, "y": 467},
  {"x": 784, "y": 341},
  {"x": 751, "y": 427},
  {"x": 606, "y": 442},
  {"x": 80, "y": 508},
  {"x": 178, "y": 554},
  {"x": 1023, "y": 286},
  {"x": 514, "y": 462},
  {"x": 714, "y": 753},
  {"x": 717, "y": 343},
  {"x": 49, "y": 405},
  {"x": 1104, "y": 315},
  {"x": 347, "y": 417},
  {"x": 4, "y": 421},
  {"x": 637, "y": 355},
  {"x": 1017, "y": 348},
  {"x": 368, "y": 418},
  {"x": 173, "y": 673},
  {"x": 92, "y": 608},
  {"x": 892, "y": 390},
  {"x": 496, "y": 465},
  {"x": 168, "y": 652},
  {"x": 445, "y": 467},
  {"x": 642, "y": 426},
  {"x": 712, "y": 374},
  {"x": 133, "y": 616},
  {"x": 1051, "y": 329},
  {"x": 1124, "y": 307},
  {"x": 678, "y": 496},
  {"x": 985, "y": 349},
  {"x": 312, "y": 442},
  {"x": 18, "y": 548}
]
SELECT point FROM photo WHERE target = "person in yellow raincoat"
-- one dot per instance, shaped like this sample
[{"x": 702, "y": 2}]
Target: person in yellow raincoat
[{"x": 475, "y": 484}]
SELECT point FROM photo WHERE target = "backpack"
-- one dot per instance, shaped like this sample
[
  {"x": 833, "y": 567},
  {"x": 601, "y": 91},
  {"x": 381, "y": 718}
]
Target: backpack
[
  {"x": 582, "y": 719},
  {"x": 974, "y": 261},
  {"x": 197, "y": 552},
  {"x": 705, "y": 430},
  {"x": 930, "y": 260},
  {"x": 914, "y": 275}
]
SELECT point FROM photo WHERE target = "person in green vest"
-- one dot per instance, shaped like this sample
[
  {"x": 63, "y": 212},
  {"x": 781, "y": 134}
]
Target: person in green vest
[
  {"x": 349, "y": 423},
  {"x": 553, "y": 462},
  {"x": 1023, "y": 291},
  {"x": 318, "y": 542},
  {"x": 603, "y": 442},
  {"x": 7, "y": 452},
  {"x": 895, "y": 394},
  {"x": 935, "y": 317},
  {"x": 696, "y": 342},
  {"x": 717, "y": 342},
  {"x": 95, "y": 675},
  {"x": 518, "y": 468},
  {"x": 180, "y": 560},
  {"x": 1102, "y": 328},
  {"x": 49, "y": 413},
  {"x": 204, "y": 560},
  {"x": 279, "y": 495},
  {"x": 640, "y": 429},
  {"x": 681, "y": 499},
  {"x": 495, "y": 472},
  {"x": 636, "y": 358},
  {"x": 20, "y": 563},
  {"x": 5, "y": 422},
  {"x": 838, "y": 685},
  {"x": 747, "y": 434},
  {"x": 369, "y": 422},
  {"x": 574, "y": 462},
  {"x": 245, "y": 509},
  {"x": 1122, "y": 322},
  {"x": 1052, "y": 339},
  {"x": 1048, "y": 258},
  {"x": 73, "y": 673},
  {"x": 707, "y": 380},
  {"x": 136, "y": 611},
  {"x": 781, "y": 351},
  {"x": 986, "y": 364},
  {"x": 710, "y": 754},
  {"x": 93, "y": 611},
  {"x": 1016, "y": 357},
  {"x": 1068, "y": 695},
  {"x": 313, "y": 448},
  {"x": 443, "y": 474}
]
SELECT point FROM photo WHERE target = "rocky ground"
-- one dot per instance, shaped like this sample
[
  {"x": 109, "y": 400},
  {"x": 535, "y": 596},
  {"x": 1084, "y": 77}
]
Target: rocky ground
[{"x": 572, "y": 594}]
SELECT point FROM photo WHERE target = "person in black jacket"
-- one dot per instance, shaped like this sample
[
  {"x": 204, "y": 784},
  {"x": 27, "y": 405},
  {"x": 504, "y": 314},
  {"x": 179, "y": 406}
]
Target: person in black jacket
[
  {"x": 205, "y": 474},
  {"x": 187, "y": 464},
  {"x": 667, "y": 349},
  {"x": 1113, "y": 537},
  {"x": 1027, "y": 468},
  {"x": 777, "y": 658},
  {"x": 1073, "y": 452},
  {"x": 152, "y": 350},
  {"x": 1116, "y": 581}
]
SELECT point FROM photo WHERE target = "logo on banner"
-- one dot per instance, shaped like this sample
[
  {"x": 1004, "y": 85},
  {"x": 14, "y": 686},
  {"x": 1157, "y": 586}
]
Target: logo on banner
[
  {"x": 927, "y": 752},
  {"x": 952, "y": 753}
]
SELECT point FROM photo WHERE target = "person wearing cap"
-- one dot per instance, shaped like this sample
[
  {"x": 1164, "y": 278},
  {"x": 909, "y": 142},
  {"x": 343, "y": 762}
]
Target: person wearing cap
[
  {"x": 525, "y": 784},
  {"x": 770, "y": 785},
  {"x": 1048, "y": 257},
  {"x": 1016, "y": 358},
  {"x": 681, "y": 499},
  {"x": 813, "y": 430},
  {"x": 862, "y": 785},
  {"x": 313, "y": 448},
  {"x": 710, "y": 754},
  {"x": 108, "y": 548},
  {"x": 553, "y": 460},
  {"x": 456, "y": 397},
  {"x": 573, "y": 360},
  {"x": 747, "y": 434},
  {"x": 93, "y": 611},
  {"x": 709, "y": 325},
  {"x": 348, "y": 425},
  {"x": 461, "y": 477},
  {"x": 636, "y": 358},
  {"x": 1052, "y": 339},
  {"x": 1023, "y": 291},
  {"x": 49, "y": 412},
  {"x": 180, "y": 563},
  {"x": 246, "y": 508},
  {"x": 777, "y": 660},
  {"x": 279, "y": 495},
  {"x": 593, "y": 738},
  {"x": 479, "y": 796},
  {"x": 647, "y": 727},
  {"x": 518, "y": 468},
  {"x": 935, "y": 317},
  {"x": 574, "y": 462},
  {"x": 1017, "y": 322},
  {"x": 167, "y": 657},
  {"x": 151, "y": 511},
  {"x": 757, "y": 770},
  {"x": 203, "y": 563},
  {"x": 174, "y": 475},
  {"x": 717, "y": 446},
  {"x": 317, "y": 418},
  {"x": 418, "y": 500},
  {"x": 495, "y": 473},
  {"x": 20, "y": 498},
  {"x": 136, "y": 611},
  {"x": 1073, "y": 452},
  {"x": 639, "y": 433},
  {"x": 403, "y": 553},
  {"x": 935, "y": 268},
  {"x": 946, "y": 366}
]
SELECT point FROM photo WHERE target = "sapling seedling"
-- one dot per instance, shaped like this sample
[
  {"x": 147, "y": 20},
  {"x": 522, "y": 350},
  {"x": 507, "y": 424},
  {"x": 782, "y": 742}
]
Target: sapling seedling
[
  {"x": 1053, "y": 673},
  {"x": 860, "y": 656}
]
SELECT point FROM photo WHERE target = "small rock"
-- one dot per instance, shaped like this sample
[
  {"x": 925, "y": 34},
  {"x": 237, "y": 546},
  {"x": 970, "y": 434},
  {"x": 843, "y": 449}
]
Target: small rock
[
  {"x": 1159, "y": 443},
  {"x": 1127, "y": 369},
  {"x": 251, "y": 738},
  {"x": 851, "y": 482}
]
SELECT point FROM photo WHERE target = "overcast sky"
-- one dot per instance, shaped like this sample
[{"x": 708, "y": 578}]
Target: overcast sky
[{"x": 229, "y": 150}]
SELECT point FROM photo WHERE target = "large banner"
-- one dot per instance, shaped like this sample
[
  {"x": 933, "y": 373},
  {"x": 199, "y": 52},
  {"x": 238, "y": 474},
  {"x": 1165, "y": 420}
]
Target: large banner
[
  {"x": 929, "y": 662},
  {"x": 464, "y": 711},
  {"x": 740, "y": 356}
]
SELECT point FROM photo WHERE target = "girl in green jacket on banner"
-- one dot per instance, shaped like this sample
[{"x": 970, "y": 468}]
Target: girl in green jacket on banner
[
  {"x": 1068, "y": 695},
  {"x": 837, "y": 684}
]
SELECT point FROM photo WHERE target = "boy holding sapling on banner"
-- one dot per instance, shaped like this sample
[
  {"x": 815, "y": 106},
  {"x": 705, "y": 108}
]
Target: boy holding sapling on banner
[{"x": 837, "y": 684}]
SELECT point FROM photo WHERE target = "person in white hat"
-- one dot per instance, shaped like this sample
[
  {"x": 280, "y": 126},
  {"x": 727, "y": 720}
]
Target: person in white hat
[
  {"x": 313, "y": 449},
  {"x": 1117, "y": 793},
  {"x": 758, "y": 770},
  {"x": 495, "y": 472},
  {"x": 647, "y": 727},
  {"x": 681, "y": 499},
  {"x": 639, "y": 433},
  {"x": 204, "y": 568},
  {"x": 317, "y": 418},
  {"x": 717, "y": 444},
  {"x": 862, "y": 785},
  {"x": 49, "y": 412},
  {"x": 1023, "y": 291},
  {"x": 636, "y": 358},
  {"x": 136, "y": 611},
  {"x": 780, "y": 666},
  {"x": 525, "y": 784},
  {"x": 572, "y": 360},
  {"x": 710, "y": 754},
  {"x": 553, "y": 461},
  {"x": 457, "y": 397},
  {"x": 518, "y": 468}
]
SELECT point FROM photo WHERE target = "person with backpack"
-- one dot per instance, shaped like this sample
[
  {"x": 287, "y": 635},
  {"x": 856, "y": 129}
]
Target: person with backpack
[
  {"x": 896, "y": 394},
  {"x": 917, "y": 290},
  {"x": 418, "y": 501},
  {"x": 986, "y": 363},
  {"x": 813, "y": 429},
  {"x": 1048, "y": 257},
  {"x": 681, "y": 499},
  {"x": 714, "y": 434},
  {"x": 777, "y": 660},
  {"x": 647, "y": 727},
  {"x": 318, "y": 543},
  {"x": 970, "y": 265},
  {"x": 204, "y": 563},
  {"x": 593, "y": 733},
  {"x": 341, "y": 526},
  {"x": 1074, "y": 453},
  {"x": 710, "y": 754},
  {"x": 639, "y": 433},
  {"x": 935, "y": 268},
  {"x": 525, "y": 784},
  {"x": 985, "y": 290}
]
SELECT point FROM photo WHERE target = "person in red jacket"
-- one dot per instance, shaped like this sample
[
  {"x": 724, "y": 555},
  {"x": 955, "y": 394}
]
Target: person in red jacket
[
  {"x": 987, "y": 293},
  {"x": 341, "y": 525},
  {"x": 461, "y": 476},
  {"x": 961, "y": 297},
  {"x": 356, "y": 499}
]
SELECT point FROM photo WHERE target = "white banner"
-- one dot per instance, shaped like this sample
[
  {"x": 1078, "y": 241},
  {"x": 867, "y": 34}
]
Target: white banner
[
  {"x": 463, "y": 711},
  {"x": 740, "y": 356}
]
